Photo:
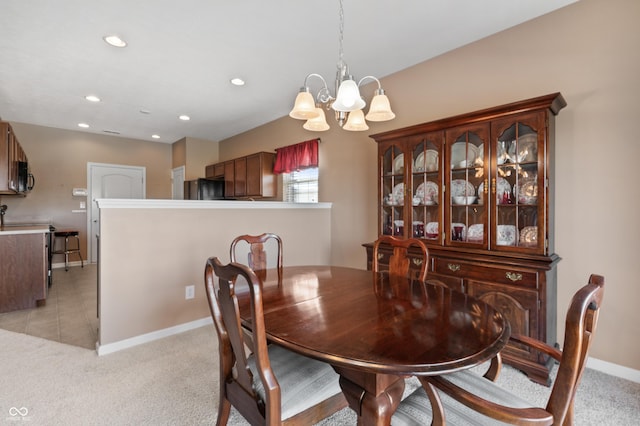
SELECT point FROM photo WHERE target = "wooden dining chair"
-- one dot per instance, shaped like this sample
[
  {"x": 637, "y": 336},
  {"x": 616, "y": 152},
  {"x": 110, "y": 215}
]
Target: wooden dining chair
[
  {"x": 467, "y": 398},
  {"x": 400, "y": 262},
  {"x": 256, "y": 256},
  {"x": 271, "y": 385}
]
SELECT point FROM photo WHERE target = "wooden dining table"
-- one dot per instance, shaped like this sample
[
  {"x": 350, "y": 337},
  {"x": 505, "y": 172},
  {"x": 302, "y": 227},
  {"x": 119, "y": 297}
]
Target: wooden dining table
[{"x": 375, "y": 330}]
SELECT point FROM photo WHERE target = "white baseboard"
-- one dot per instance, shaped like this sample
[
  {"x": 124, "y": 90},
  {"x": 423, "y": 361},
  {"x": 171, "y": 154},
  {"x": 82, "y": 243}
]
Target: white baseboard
[
  {"x": 150, "y": 337},
  {"x": 592, "y": 363},
  {"x": 614, "y": 369}
]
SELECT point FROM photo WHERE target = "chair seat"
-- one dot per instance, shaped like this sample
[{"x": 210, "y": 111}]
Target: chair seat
[
  {"x": 415, "y": 410},
  {"x": 304, "y": 382}
]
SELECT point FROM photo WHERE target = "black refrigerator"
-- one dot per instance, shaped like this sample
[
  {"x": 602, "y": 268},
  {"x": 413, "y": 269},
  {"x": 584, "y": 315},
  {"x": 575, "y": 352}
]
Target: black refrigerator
[{"x": 204, "y": 189}]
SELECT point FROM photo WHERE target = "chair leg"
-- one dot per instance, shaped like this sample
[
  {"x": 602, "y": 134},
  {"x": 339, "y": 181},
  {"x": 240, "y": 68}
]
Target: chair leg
[
  {"x": 224, "y": 410},
  {"x": 79, "y": 254},
  {"x": 66, "y": 253}
]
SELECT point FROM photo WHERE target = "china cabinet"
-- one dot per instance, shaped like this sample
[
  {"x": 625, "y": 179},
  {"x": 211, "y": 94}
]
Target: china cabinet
[{"x": 478, "y": 189}]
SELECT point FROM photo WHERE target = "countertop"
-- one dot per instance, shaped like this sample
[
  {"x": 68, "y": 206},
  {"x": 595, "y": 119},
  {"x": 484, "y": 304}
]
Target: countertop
[{"x": 23, "y": 229}]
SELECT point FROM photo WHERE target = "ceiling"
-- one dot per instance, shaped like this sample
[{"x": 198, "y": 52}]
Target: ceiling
[{"x": 182, "y": 54}]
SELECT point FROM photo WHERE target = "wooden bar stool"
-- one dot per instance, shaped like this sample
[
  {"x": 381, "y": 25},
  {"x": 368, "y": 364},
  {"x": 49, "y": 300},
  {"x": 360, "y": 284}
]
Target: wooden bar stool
[{"x": 66, "y": 234}]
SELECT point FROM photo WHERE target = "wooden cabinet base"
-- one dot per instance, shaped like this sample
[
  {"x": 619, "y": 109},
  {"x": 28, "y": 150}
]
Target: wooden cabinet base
[
  {"x": 23, "y": 271},
  {"x": 522, "y": 287}
]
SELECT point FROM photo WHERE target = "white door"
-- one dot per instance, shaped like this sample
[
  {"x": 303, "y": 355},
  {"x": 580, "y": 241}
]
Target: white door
[
  {"x": 110, "y": 181},
  {"x": 177, "y": 183}
]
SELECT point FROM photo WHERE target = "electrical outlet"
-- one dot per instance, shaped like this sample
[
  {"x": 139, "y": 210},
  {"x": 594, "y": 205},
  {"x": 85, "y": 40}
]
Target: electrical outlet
[{"x": 189, "y": 292}]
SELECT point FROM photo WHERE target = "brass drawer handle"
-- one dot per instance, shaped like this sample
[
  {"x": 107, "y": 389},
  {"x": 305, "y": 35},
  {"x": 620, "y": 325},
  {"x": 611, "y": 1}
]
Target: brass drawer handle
[
  {"x": 514, "y": 276},
  {"x": 416, "y": 261},
  {"x": 453, "y": 267},
  {"x": 380, "y": 256}
]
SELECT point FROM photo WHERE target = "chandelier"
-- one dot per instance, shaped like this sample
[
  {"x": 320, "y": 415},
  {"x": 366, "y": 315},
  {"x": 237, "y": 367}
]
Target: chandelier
[{"x": 347, "y": 104}]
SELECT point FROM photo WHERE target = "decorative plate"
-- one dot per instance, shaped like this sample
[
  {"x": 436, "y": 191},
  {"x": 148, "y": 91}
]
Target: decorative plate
[
  {"x": 398, "y": 193},
  {"x": 431, "y": 230},
  {"x": 427, "y": 160},
  {"x": 398, "y": 164},
  {"x": 418, "y": 163},
  {"x": 458, "y": 154},
  {"x": 428, "y": 193},
  {"x": 527, "y": 191},
  {"x": 475, "y": 233},
  {"x": 431, "y": 160},
  {"x": 506, "y": 235},
  {"x": 527, "y": 147},
  {"x": 462, "y": 188},
  {"x": 503, "y": 186},
  {"x": 529, "y": 236}
]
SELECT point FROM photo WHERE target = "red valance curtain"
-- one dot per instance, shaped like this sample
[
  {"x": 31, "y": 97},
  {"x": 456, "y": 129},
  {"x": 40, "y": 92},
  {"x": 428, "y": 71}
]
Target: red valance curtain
[{"x": 296, "y": 157}]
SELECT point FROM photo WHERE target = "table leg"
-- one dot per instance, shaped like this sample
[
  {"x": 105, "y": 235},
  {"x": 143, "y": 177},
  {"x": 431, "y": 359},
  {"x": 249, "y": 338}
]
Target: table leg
[{"x": 374, "y": 397}]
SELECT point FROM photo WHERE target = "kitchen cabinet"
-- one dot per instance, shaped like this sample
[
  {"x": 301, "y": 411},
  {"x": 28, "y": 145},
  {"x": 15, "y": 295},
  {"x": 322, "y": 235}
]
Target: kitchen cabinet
[
  {"x": 478, "y": 189},
  {"x": 23, "y": 270},
  {"x": 248, "y": 176},
  {"x": 12, "y": 158}
]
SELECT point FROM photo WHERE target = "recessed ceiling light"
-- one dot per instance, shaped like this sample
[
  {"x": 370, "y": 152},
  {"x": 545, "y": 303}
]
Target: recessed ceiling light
[
  {"x": 184, "y": 118},
  {"x": 83, "y": 125},
  {"x": 145, "y": 111},
  {"x": 115, "y": 41},
  {"x": 237, "y": 81},
  {"x": 92, "y": 98},
  {"x": 155, "y": 136}
]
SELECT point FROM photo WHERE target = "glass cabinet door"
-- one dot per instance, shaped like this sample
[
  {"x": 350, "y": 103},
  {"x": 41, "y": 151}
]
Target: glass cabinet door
[
  {"x": 518, "y": 183},
  {"x": 392, "y": 192},
  {"x": 467, "y": 171},
  {"x": 426, "y": 178}
]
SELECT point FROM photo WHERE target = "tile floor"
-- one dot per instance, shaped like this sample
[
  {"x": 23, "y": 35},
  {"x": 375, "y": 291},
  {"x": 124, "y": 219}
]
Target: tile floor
[{"x": 69, "y": 315}]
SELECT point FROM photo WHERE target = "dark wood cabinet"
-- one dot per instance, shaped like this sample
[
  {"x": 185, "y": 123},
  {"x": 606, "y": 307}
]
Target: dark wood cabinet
[
  {"x": 248, "y": 176},
  {"x": 11, "y": 157},
  {"x": 23, "y": 270},
  {"x": 478, "y": 189}
]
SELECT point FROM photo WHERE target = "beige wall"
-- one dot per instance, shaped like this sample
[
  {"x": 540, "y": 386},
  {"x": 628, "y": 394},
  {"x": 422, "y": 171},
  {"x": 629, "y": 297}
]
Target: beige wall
[
  {"x": 58, "y": 159},
  {"x": 589, "y": 52},
  {"x": 195, "y": 154},
  {"x": 150, "y": 250}
]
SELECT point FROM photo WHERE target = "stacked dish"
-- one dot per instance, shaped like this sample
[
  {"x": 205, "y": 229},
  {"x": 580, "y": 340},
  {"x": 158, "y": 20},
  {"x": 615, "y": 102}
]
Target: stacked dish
[
  {"x": 431, "y": 230},
  {"x": 475, "y": 234},
  {"x": 428, "y": 193}
]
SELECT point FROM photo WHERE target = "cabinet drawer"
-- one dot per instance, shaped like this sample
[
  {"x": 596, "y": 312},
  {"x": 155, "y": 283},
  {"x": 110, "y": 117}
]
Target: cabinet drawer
[
  {"x": 495, "y": 274},
  {"x": 415, "y": 262}
]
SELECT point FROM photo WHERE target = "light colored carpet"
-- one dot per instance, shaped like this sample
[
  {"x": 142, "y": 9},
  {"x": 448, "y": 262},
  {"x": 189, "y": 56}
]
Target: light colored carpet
[{"x": 174, "y": 381}]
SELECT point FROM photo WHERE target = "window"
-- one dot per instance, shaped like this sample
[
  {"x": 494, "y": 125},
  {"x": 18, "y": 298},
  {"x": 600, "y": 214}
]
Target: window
[{"x": 301, "y": 186}]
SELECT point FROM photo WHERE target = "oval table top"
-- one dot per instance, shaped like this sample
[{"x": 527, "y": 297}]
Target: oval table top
[{"x": 347, "y": 318}]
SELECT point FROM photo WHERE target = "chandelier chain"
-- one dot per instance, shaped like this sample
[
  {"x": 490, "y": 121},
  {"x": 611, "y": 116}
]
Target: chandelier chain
[{"x": 341, "y": 30}]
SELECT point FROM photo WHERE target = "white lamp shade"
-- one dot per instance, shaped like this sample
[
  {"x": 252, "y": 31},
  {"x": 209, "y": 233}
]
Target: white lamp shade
[
  {"x": 348, "y": 98},
  {"x": 355, "y": 122},
  {"x": 380, "y": 109},
  {"x": 304, "y": 107},
  {"x": 317, "y": 124}
]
